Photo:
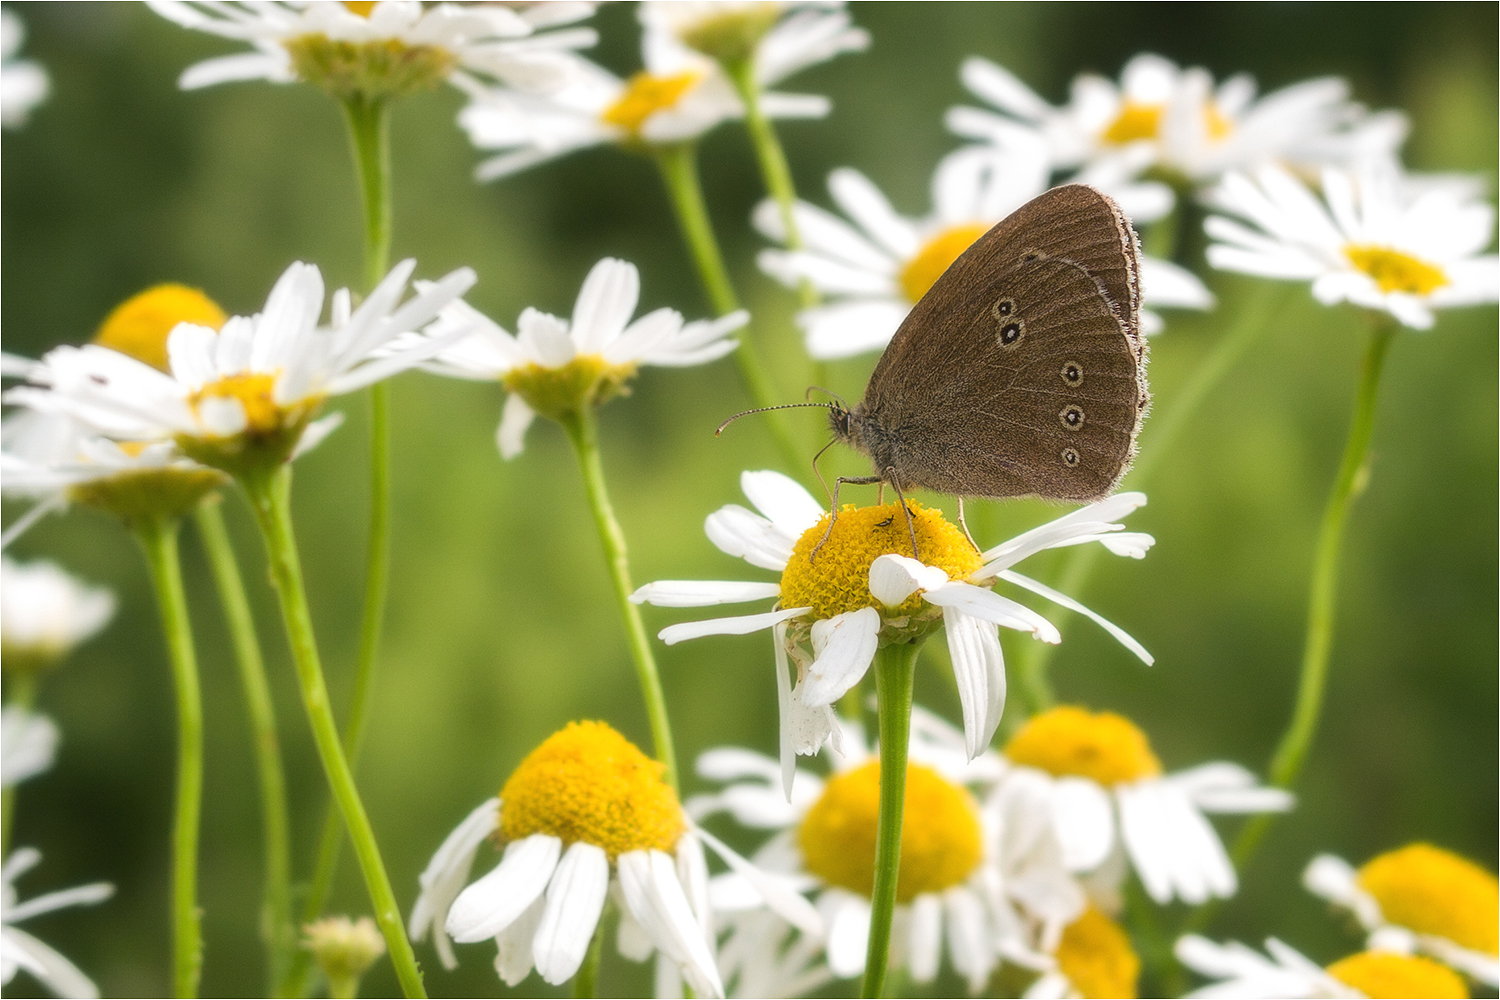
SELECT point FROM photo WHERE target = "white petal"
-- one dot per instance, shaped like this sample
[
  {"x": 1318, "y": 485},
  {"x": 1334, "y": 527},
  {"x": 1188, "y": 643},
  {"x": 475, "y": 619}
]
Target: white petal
[
  {"x": 1121, "y": 636},
  {"x": 1084, "y": 822},
  {"x": 605, "y": 304},
  {"x": 743, "y": 533},
  {"x": 488, "y": 906},
  {"x": 510, "y": 436},
  {"x": 991, "y": 607},
  {"x": 56, "y": 972},
  {"x": 575, "y": 898},
  {"x": 742, "y": 625},
  {"x": 848, "y": 931},
  {"x": 979, "y": 672},
  {"x": 648, "y": 881},
  {"x": 969, "y": 937},
  {"x": 783, "y": 500},
  {"x": 926, "y": 940},
  {"x": 894, "y": 578},
  {"x": 702, "y": 593},
  {"x": 848, "y": 642},
  {"x": 514, "y": 944},
  {"x": 780, "y": 896}
]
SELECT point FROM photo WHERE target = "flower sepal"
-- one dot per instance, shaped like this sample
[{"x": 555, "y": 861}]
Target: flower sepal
[
  {"x": 146, "y": 494},
  {"x": 369, "y": 71},
  {"x": 731, "y": 38},
  {"x": 259, "y": 449},
  {"x": 586, "y": 382}
]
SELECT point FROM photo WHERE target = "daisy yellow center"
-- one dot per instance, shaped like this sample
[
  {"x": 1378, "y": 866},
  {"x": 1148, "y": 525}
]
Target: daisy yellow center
[
  {"x": 941, "y": 841},
  {"x": 837, "y": 578},
  {"x": 1104, "y": 747},
  {"x": 139, "y": 326},
  {"x": 588, "y": 783},
  {"x": 1395, "y": 271},
  {"x": 1433, "y": 891},
  {"x": 1135, "y": 121},
  {"x": 923, "y": 270},
  {"x": 1381, "y": 974},
  {"x": 646, "y": 94},
  {"x": 1096, "y": 956},
  {"x": 1218, "y": 124},
  {"x": 254, "y": 390},
  {"x": 360, "y": 7},
  {"x": 587, "y": 380}
]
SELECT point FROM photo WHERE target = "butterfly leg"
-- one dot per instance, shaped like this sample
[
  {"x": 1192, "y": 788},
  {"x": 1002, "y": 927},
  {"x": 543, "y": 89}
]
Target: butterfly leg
[
  {"x": 964, "y": 525},
  {"x": 833, "y": 511},
  {"x": 890, "y": 477}
]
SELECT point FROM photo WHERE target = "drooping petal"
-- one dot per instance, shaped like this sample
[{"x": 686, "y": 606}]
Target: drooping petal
[
  {"x": 848, "y": 642},
  {"x": 1121, "y": 636},
  {"x": 925, "y": 937},
  {"x": 979, "y": 672},
  {"x": 510, "y": 436},
  {"x": 654, "y": 896},
  {"x": 741, "y": 625},
  {"x": 780, "y": 896},
  {"x": 492, "y": 903},
  {"x": 575, "y": 899}
]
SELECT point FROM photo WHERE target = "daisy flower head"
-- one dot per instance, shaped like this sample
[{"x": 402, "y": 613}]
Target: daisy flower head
[
  {"x": 28, "y": 744},
  {"x": 242, "y": 398},
  {"x": 777, "y": 38},
  {"x": 44, "y": 613},
  {"x": 376, "y": 51},
  {"x": 21, "y": 950},
  {"x": 1373, "y": 239},
  {"x": 1111, "y": 801},
  {"x": 874, "y": 267},
  {"x": 585, "y": 817},
  {"x": 557, "y": 367},
  {"x": 344, "y": 949},
  {"x": 23, "y": 83},
  {"x": 1093, "y": 957},
  {"x": 970, "y": 866},
  {"x": 1419, "y": 898},
  {"x": 1177, "y": 121},
  {"x": 843, "y": 596},
  {"x": 1283, "y": 971}
]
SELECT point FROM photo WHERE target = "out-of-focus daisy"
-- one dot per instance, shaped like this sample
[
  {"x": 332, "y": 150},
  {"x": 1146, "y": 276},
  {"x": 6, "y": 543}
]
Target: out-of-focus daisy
[
  {"x": 344, "y": 949},
  {"x": 384, "y": 49},
  {"x": 242, "y": 396},
  {"x": 973, "y": 874},
  {"x": 1188, "y": 126},
  {"x": 1111, "y": 801},
  {"x": 863, "y": 590},
  {"x": 584, "y": 817},
  {"x": 22, "y": 951},
  {"x": 778, "y": 38},
  {"x": 680, "y": 95},
  {"x": 28, "y": 744},
  {"x": 1372, "y": 239},
  {"x": 23, "y": 83},
  {"x": 1239, "y": 971},
  {"x": 875, "y": 270},
  {"x": 45, "y": 612},
  {"x": 555, "y": 367},
  {"x": 1419, "y": 898},
  {"x": 1093, "y": 958}
]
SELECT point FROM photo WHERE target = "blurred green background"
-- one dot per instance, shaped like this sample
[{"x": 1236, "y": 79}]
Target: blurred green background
[{"x": 501, "y": 624}]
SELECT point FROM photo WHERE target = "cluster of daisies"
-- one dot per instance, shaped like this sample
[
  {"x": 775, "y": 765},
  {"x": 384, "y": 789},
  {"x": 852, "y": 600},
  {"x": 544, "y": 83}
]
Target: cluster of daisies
[{"x": 1015, "y": 862}]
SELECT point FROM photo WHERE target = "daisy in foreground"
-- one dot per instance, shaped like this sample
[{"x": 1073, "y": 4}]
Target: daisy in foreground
[
  {"x": 875, "y": 270},
  {"x": 22, "y": 951},
  {"x": 1374, "y": 239},
  {"x": 1110, "y": 801},
  {"x": 980, "y": 869},
  {"x": 864, "y": 590},
  {"x": 1419, "y": 898},
  {"x": 1242, "y": 972},
  {"x": 556, "y": 367},
  {"x": 584, "y": 819}
]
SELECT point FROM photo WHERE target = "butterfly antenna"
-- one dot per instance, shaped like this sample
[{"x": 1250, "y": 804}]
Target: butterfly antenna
[
  {"x": 767, "y": 409},
  {"x": 827, "y": 392}
]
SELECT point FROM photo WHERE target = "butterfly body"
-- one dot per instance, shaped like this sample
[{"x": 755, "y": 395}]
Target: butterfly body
[{"x": 1022, "y": 371}]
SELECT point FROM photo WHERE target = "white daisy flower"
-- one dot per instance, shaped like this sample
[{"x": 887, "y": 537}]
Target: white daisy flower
[
  {"x": 385, "y": 48},
  {"x": 553, "y": 366},
  {"x": 1419, "y": 898},
  {"x": 976, "y": 870},
  {"x": 19, "y": 950},
  {"x": 862, "y": 590},
  {"x": 680, "y": 95},
  {"x": 875, "y": 270},
  {"x": 244, "y": 395},
  {"x": 28, "y": 744},
  {"x": 1239, "y": 971},
  {"x": 1186, "y": 125},
  {"x": 1093, "y": 957},
  {"x": 45, "y": 612},
  {"x": 1374, "y": 239},
  {"x": 23, "y": 83},
  {"x": 1110, "y": 801},
  {"x": 585, "y": 817}
]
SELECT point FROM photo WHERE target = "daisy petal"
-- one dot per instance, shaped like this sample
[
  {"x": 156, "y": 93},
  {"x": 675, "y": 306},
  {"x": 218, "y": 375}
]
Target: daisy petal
[
  {"x": 489, "y": 906},
  {"x": 742, "y": 625},
  {"x": 1121, "y": 636},
  {"x": 702, "y": 593},
  {"x": 575, "y": 898},
  {"x": 845, "y": 647}
]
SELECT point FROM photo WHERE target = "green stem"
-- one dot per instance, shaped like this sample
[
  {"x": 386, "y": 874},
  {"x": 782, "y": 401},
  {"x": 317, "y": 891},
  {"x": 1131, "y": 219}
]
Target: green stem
[
  {"x": 270, "y": 498},
  {"x": 583, "y": 430},
  {"x": 22, "y": 689},
  {"x": 158, "y": 537},
  {"x": 679, "y": 171},
  {"x": 895, "y": 670},
  {"x": 586, "y": 979},
  {"x": 276, "y": 909},
  {"x": 370, "y": 138}
]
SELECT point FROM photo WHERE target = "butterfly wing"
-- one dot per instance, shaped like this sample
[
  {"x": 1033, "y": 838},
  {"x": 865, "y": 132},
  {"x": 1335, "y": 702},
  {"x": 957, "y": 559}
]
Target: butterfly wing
[{"x": 1022, "y": 370}]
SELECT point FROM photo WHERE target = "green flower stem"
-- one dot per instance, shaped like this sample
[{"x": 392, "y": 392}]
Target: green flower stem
[
  {"x": 586, "y": 979},
  {"x": 270, "y": 498},
  {"x": 895, "y": 671},
  {"x": 22, "y": 689},
  {"x": 276, "y": 909},
  {"x": 583, "y": 430},
  {"x": 370, "y": 137},
  {"x": 1159, "y": 438},
  {"x": 679, "y": 171},
  {"x": 158, "y": 538}
]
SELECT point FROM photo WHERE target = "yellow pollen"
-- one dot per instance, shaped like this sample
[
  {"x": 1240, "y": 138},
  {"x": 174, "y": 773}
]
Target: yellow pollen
[
  {"x": 1096, "y": 956},
  {"x": 1218, "y": 124},
  {"x": 1433, "y": 891},
  {"x": 360, "y": 7},
  {"x": 1135, "y": 121},
  {"x": 254, "y": 391},
  {"x": 941, "y": 840},
  {"x": 588, "y": 783},
  {"x": 923, "y": 270},
  {"x": 838, "y": 579},
  {"x": 645, "y": 95},
  {"x": 1384, "y": 975},
  {"x": 139, "y": 326},
  {"x": 1395, "y": 271},
  {"x": 1066, "y": 740}
]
